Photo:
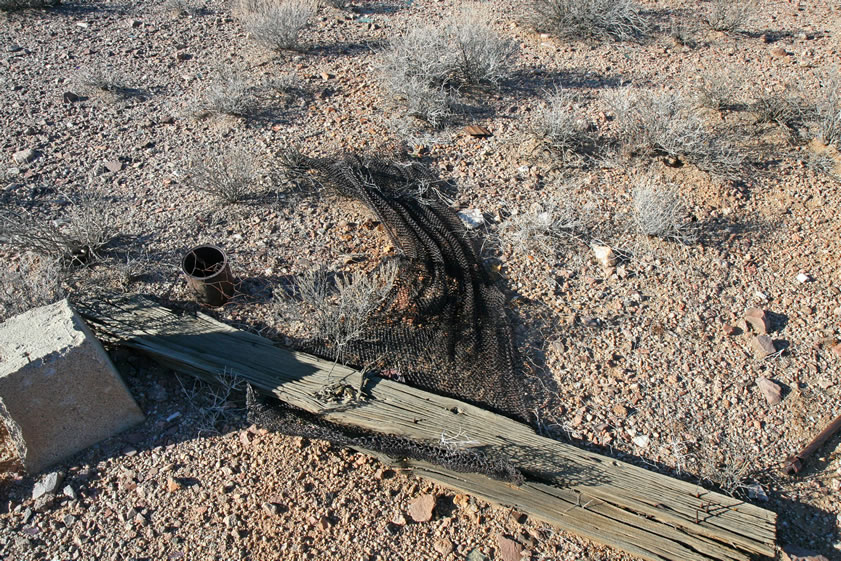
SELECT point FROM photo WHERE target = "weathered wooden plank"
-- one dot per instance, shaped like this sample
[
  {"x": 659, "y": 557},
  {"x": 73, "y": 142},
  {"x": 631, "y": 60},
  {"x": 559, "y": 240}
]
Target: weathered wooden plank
[{"x": 644, "y": 513}]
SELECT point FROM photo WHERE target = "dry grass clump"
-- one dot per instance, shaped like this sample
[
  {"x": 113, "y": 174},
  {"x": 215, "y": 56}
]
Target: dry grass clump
[
  {"x": 785, "y": 108},
  {"x": 730, "y": 15},
  {"x": 717, "y": 90},
  {"x": 230, "y": 177},
  {"x": 33, "y": 281},
  {"x": 427, "y": 68},
  {"x": 828, "y": 111},
  {"x": 277, "y": 24},
  {"x": 105, "y": 80},
  {"x": 541, "y": 231},
  {"x": 228, "y": 93},
  {"x": 74, "y": 239},
  {"x": 668, "y": 124},
  {"x": 659, "y": 210},
  {"x": 15, "y": 5},
  {"x": 332, "y": 308},
  {"x": 562, "y": 127},
  {"x": 588, "y": 19}
]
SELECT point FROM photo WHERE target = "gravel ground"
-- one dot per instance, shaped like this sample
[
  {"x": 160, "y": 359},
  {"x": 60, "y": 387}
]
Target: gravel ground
[{"x": 648, "y": 360}]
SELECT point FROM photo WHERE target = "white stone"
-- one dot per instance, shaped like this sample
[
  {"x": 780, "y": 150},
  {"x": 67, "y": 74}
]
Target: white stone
[
  {"x": 641, "y": 441},
  {"x": 803, "y": 278},
  {"x": 605, "y": 256},
  {"x": 472, "y": 218},
  {"x": 59, "y": 391}
]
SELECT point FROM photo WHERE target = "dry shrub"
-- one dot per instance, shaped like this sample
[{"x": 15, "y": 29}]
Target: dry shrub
[
  {"x": 562, "y": 127},
  {"x": 730, "y": 15},
  {"x": 588, "y": 19},
  {"x": 277, "y": 24},
  {"x": 33, "y": 281},
  {"x": 427, "y": 68},
  {"x": 230, "y": 177},
  {"x": 659, "y": 210},
  {"x": 76, "y": 238},
  {"x": 667, "y": 123},
  {"x": 333, "y": 308}
]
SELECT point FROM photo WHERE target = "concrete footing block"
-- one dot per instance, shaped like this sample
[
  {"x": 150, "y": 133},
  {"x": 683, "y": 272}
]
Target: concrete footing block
[{"x": 59, "y": 391}]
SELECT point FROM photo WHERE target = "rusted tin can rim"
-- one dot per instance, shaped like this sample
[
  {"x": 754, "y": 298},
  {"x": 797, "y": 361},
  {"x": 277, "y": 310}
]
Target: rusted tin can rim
[{"x": 208, "y": 274}]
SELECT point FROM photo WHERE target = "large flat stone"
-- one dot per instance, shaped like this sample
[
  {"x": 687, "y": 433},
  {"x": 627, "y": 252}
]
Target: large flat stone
[{"x": 59, "y": 391}]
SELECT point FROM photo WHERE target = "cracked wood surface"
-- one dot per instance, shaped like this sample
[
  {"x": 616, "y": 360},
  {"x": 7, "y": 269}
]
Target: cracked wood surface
[{"x": 609, "y": 501}]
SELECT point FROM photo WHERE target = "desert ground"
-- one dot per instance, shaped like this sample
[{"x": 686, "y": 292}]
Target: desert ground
[{"x": 119, "y": 119}]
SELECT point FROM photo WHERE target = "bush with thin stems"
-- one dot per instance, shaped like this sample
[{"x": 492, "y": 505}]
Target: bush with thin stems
[
  {"x": 659, "y": 210},
  {"x": 730, "y": 15},
  {"x": 562, "y": 127},
  {"x": 230, "y": 177},
  {"x": 588, "y": 19},
  {"x": 332, "y": 308},
  {"x": 277, "y": 24},
  {"x": 667, "y": 123},
  {"x": 429, "y": 67},
  {"x": 32, "y": 281}
]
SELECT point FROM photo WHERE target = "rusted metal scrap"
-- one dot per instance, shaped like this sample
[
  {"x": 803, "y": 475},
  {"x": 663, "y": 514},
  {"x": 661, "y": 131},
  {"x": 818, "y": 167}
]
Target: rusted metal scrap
[{"x": 795, "y": 463}]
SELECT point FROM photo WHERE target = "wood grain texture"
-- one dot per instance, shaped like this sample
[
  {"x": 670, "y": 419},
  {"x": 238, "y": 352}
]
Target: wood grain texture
[{"x": 644, "y": 513}]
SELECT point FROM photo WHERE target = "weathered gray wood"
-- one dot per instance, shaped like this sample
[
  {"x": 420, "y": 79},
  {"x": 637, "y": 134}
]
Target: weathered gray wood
[{"x": 612, "y": 502}]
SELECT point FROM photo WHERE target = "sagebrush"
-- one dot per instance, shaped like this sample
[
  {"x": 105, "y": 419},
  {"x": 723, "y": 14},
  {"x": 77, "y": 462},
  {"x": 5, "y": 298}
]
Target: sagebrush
[
  {"x": 231, "y": 176},
  {"x": 277, "y": 24},
  {"x": 730, "y": 15},
  {"x": 588, "y": 19},
  {"x": 659, "y": 210},
  {"x": 562, "y": 127},
  {"x": 667, "y": 123},
  {"x": 426, "y": 69},
  {"x": 77, "y": 237},
  {"x": 333, "y": 308}
]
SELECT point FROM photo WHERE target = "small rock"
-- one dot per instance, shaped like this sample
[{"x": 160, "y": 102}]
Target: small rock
[
  {"x": 605, "y": 256},
  {"x": 757, "y": 319},
  {"x": 398, "y": 519},
  {"x": 421, "y": 508},
  {"x": 27, "y": 516},
  {"x": 326, "y": 77},
  {"x": 763, "y": 346},
  {"x": 778, "y": 52},
  {"x": 43, "y": 502},
  {"x": 47, "y": 484},
  {"x": 509, "y": 550},
  {"x": 172, "y": 485},
  {"x": 803, "y": 278},
  {"x": 323, "y": 523},
  {"x": 24, "y": 156},
  {"x": 69, "y": 520},
  {"x": 641, "y": 440},
  {"x": 476, "y": 555},
  {"x": 730, "y": 330},
  {"x": 443, "y": 546},
  {"x": 113, "y": 165},
  {"x": 795, "y": 553},
  {"x": 771, "y": 390},
  {"x": 70, "y": 97},
  {"x": 472, "y": 218},
  {"x": 620, "y": 410},
  {"x": 69, "y": 492},
  {"x": 181, "y": 57},
  {"x": 588, "y": 321},
  {"x": 757, "y": 493},
  {"x": 837, "y": 349},
  {"x": 271, "y": 509}
]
